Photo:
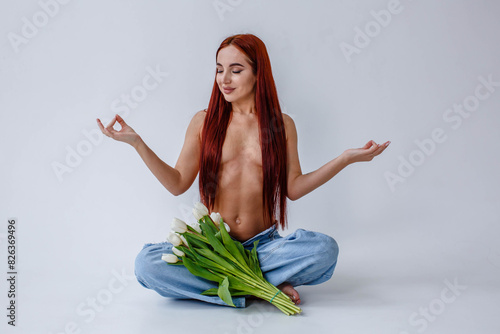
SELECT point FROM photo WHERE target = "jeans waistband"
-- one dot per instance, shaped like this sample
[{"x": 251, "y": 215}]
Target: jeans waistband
[{"x": 262, "y": 235}]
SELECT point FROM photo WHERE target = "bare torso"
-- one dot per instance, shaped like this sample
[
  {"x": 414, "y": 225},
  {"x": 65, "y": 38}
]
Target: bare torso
[{"x": 239, "y": 195}]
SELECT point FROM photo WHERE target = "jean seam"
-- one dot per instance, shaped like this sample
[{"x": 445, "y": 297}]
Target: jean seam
[
  {"x": 273, "y": 250},
  {"x": 302, "y": 278},
  {"x": 327, "y": 276},
  {"x": 141, "y": 281}
]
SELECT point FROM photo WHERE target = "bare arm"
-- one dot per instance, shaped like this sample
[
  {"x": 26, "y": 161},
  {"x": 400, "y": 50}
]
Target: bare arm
[
  {"x": 301, "y": 184},
  {"x": 169, "y": 177},
  {"x": 176, "y": 180}
]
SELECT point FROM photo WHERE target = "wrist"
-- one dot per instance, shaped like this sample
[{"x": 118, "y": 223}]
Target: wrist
[
  {"x": 138, "y": 142},
  {"x": 345, "y": 160}
]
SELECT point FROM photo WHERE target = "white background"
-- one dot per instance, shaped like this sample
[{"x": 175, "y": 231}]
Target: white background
[{"x": 399, "y": 245}]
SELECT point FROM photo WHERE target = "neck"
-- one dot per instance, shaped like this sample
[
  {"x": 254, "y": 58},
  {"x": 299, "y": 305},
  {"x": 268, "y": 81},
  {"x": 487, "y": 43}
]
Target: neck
[{"x": 246, "y": 107}]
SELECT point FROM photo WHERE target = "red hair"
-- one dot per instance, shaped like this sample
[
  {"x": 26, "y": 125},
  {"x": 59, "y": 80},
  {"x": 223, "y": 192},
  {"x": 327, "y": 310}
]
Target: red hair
[{"x": 271, "y": 134}]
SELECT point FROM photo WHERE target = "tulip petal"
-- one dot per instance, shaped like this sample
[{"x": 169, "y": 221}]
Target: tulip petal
[
  {"x": 184, "y": 241},
  {"x": 178, "y": 252},
  {"x": 178, "y": 225},
  {"x": 174, "y": 239},
  {"x": 170, "y": 258},
  {"x": 216, "y": 217}
]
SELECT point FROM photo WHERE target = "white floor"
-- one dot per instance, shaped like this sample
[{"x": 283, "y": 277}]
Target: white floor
[{"x": 401, "y": 294}]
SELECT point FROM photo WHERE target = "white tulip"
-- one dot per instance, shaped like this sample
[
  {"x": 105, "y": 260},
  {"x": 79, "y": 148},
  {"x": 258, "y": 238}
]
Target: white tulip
[
  {"x": 199, "y": 211},
  {"x": 196, "y": 227},
  {"x": 216, "y": 217},
  {"x": 178, "y": 252},
  {"x": 174, "y": 239},
  {"x": 227, "y": 227},
  {"x": 178, "y": 226},
  {"x": 170, "y": 258},
  {"x": 184, "y": 241}
]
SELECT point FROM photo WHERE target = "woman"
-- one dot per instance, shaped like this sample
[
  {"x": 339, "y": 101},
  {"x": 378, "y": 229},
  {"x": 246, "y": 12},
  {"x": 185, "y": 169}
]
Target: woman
[{"x": 245, "y": 150}]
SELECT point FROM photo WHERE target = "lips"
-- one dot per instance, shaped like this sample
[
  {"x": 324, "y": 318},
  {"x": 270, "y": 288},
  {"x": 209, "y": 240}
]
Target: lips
[{"x": 227, "y": 90}]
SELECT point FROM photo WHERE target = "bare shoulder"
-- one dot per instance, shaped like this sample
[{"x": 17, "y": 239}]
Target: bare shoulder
[
  {"x": 286, "y": 118},
  {"x": 289, "y": 125},
  {"x": 200, "y": 115},
  {"x": 198, "y": 120}
]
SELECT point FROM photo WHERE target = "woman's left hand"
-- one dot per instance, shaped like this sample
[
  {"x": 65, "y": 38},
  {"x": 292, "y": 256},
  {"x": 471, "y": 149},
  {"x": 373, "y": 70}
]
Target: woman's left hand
[{"x": 365, "y": 153}]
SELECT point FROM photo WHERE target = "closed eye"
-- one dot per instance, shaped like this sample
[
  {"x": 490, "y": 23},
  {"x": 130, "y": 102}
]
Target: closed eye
[{"x": 233, "y": 72}]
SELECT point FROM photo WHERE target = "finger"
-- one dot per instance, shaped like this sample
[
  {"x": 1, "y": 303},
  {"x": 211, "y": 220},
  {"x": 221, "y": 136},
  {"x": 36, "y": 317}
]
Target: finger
[
  {"x": 113, "y": 120},
  {"x": 120, "y": 120},
  {"x": 103, "y": 129},
  {"x": 373, "y": 148},
  {"x": 382, "y": 147},
  {"x": 111, "y": 123},
  {"x": 110, "y": 132},
  {"x": 100, "y": 124},
  {"x": 379, "y": 150},
  {"x": 367, "y": 145}
]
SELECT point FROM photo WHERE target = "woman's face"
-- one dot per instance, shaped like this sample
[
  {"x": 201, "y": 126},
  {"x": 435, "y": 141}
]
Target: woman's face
[{"x": 234, "y": 76}]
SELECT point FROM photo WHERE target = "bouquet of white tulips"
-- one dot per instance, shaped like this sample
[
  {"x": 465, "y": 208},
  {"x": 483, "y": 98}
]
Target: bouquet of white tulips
[{"x": 208, "y": 251}]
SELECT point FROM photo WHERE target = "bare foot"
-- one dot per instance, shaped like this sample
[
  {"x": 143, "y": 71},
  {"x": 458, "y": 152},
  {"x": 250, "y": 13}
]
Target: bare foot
[{"x": 288, "y": 290}]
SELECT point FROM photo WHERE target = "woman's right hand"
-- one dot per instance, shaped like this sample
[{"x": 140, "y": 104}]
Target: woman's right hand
[{"x": 126, "y": 133}]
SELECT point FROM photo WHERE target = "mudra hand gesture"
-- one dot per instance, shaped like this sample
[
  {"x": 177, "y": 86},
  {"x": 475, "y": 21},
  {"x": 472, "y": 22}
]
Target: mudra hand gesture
[
  {"x": 126, "y": 134},
  {"x": 365, "y": 153}
]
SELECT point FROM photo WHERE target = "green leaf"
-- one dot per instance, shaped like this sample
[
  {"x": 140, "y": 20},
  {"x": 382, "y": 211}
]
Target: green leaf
[
  {"x": 211, "y": 292},
  {"x": 209, "y": 225},
  {"x": 231, "y": 247},
  {"x": 256, "y": 263},
  {"x": 191, "y": 253},
  {"x": 224, "y": 292},
  {"x": 243, "y": 252},
  {"x": 194, "y": 241},
  {"x": 238, "y": 284},
  {"x": 217, "y": 245},
  {"x": 200, "y": 271},
  {"x": 197, "y": 237},
  {"x": 191, "y": 229},
  {"x": 238, "y": 293},
  {"x": 215, "y": 292},
  {"x": 209, "y": 264},
  {"x": 176, "y": 264},
  {"x": 218, "y": 259}
]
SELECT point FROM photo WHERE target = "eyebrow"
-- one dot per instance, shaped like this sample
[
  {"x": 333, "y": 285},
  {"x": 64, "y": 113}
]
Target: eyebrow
[{"x": 233, "y": 64}]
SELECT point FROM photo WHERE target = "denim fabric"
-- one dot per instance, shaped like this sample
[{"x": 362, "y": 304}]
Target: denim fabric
[{"x": 300, "y": 258}]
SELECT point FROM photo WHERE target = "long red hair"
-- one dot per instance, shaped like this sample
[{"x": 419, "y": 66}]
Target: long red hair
[{"x": 271, "y": 133}]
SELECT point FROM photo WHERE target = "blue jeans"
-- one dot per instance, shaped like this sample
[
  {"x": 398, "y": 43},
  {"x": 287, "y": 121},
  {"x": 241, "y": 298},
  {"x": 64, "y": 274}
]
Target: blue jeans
[{"x": 300, "y": 258}]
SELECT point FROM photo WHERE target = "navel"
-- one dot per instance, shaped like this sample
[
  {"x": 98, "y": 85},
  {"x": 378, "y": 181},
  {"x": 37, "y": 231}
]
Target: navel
[{"x": 238, "y": 220}]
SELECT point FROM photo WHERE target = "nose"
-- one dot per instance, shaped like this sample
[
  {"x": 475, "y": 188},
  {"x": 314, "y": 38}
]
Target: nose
[{"x": 226, "y": 77}]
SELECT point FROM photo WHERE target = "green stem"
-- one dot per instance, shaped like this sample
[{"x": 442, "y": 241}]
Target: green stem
[
  {"x": 266, "y": 291},
  {"x": 199, "y": 237}
]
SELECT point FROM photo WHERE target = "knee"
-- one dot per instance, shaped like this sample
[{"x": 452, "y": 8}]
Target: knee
[
  {"x": 141, "y": 267},
  {"x": 322, "y": 247},
  {"x": 331, "y": 248},
  {"x": 325, "y": 250},
  {"x": 145, "y": 262}
]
